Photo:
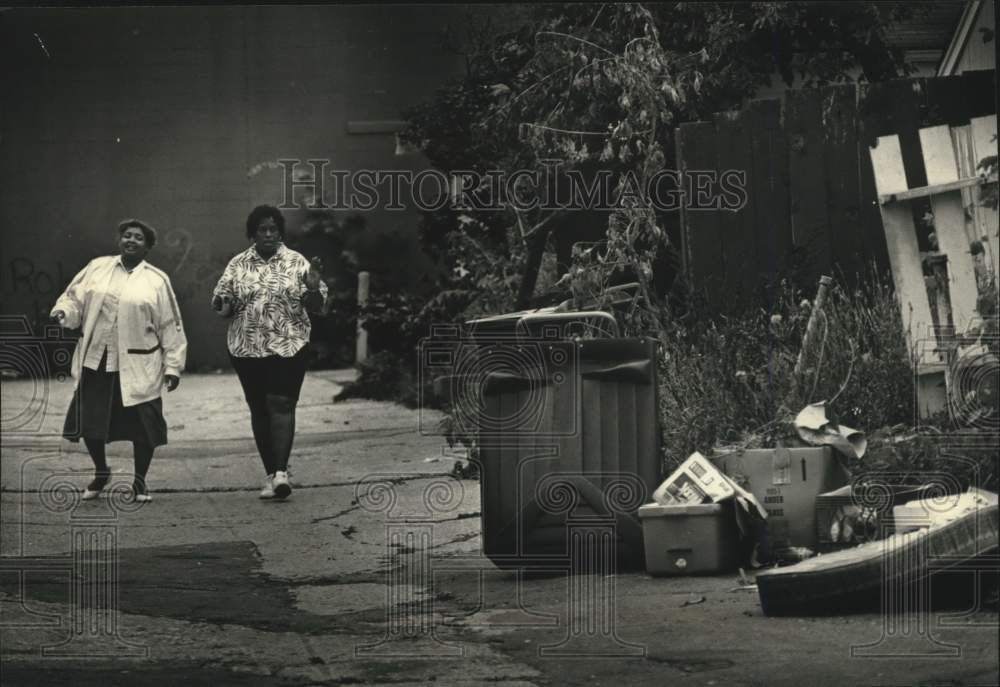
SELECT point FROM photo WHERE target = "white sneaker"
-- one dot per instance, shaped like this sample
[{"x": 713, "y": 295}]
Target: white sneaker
[
  {"x": 268, "y": 491},
  {"x": 282, "y": 489},
  {"x": 95, "y": 487},
  {"x": 140, "y": 496}
]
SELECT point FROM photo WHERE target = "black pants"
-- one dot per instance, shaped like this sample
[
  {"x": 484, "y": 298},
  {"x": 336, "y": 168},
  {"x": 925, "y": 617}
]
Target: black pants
[
  {"x": 271, "y": 375},
  {"x": 271, "y": 387}
]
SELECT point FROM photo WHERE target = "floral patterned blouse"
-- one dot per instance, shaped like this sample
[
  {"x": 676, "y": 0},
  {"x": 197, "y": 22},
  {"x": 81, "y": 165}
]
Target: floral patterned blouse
[{"x": 268, "y": 315}]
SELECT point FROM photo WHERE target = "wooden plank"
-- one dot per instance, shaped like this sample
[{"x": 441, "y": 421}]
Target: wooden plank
[
  {"x": 907, "y": 106},
  {"x": 807, "y": 178},
  {"x": 908, "y": 115},
  {"x": 932, "y": 189},
  {"x": 702, "y": 245},
  {"x": 949, "y": 225},
  {"x": 735, "y": 223},
  {"x": 961, "y": 139},
  {"x": 902, "y": 107},
  {"x": 901, "y": 243},
  {"x": 984, "y": 143},
  {"x": 768, "y": 184},
  {"x": 887, "y": 164},
  {"x": 841, "y": 157}
]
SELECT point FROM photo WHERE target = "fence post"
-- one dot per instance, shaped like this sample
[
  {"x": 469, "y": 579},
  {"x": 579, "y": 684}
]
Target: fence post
[{"x": 361, "y": 348}]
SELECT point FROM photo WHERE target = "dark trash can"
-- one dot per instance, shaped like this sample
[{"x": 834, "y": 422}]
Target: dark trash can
[{"x": 568, "y": 436}]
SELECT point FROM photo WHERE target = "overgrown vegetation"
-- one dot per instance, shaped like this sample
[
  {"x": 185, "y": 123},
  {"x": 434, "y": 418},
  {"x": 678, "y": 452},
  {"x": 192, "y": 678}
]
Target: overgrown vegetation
[
  {"x": 726, "y": 381},
  {"x": 602, "y": 87},
  {"x": 910, "y": 457}
]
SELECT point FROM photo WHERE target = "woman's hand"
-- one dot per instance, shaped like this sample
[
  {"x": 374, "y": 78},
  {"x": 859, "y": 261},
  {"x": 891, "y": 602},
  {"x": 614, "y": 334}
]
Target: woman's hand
[
  {"x": 312, "y": 297},
  {"x": 314, "y": 277},
  {"x": 223, "y": 305},
  {"x": 172, "y": 382}
]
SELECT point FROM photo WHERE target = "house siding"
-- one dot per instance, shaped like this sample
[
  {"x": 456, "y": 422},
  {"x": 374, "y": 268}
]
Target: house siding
[{"x": 977, "y": 53}]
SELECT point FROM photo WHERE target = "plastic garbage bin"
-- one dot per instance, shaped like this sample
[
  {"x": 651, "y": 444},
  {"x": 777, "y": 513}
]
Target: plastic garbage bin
[{"x": 568, "y": 435}]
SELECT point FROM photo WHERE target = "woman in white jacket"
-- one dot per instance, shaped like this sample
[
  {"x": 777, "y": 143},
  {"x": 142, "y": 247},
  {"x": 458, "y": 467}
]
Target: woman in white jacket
[{"x": 133, "y": 344}]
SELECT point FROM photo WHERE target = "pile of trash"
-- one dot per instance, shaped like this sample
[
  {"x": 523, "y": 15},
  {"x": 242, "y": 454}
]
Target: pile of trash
[
  {"x": 818, "y": 539},
  {"x": 825, "y": 541}
]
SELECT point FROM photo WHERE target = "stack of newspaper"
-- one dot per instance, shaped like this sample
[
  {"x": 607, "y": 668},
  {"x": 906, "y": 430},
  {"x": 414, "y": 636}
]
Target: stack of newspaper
[{"x": 698, "y": 481}]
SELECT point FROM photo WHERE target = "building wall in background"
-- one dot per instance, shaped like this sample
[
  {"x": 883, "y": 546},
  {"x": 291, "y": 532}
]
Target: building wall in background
[
  {"x": 173, "y": 114},
  {"x": 980, "y": 48}
]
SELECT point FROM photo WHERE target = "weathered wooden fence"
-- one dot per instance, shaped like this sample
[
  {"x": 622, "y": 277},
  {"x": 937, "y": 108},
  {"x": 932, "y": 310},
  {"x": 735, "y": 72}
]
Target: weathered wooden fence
[{"x": 812, "y": 204}]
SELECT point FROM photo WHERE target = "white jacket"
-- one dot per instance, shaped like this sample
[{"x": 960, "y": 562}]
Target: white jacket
[{"x": 151, "y": 341}]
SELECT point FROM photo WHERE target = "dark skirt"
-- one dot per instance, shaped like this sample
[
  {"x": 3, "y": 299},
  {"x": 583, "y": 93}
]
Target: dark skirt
[{"x": 96, "y": 412}]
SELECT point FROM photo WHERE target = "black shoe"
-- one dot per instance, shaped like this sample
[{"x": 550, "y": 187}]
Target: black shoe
[{"x": 96, "y": 485}]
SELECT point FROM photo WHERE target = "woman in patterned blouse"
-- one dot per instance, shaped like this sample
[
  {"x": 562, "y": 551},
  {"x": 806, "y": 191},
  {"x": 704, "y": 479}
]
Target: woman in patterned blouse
[{"x": 268, "y": 290}]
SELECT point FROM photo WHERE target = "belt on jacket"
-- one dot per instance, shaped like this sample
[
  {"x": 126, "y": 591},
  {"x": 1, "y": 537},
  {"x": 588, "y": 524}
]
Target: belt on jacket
[{"x": 143, "y": 351}]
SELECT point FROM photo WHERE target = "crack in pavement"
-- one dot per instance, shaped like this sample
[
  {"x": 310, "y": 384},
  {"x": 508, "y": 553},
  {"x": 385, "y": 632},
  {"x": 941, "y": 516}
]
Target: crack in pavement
[
  {"x": 221, "y": 490},
  {"x": 421, "y": 521},
  {"x": 336, "y": 515},
  {"x": 457, "y": 540},
  {"x": 233, "y": 446}
]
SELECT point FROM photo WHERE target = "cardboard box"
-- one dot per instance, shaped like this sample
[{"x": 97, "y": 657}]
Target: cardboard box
[
  {"x": 690, "y": 539},
  {"x": 786, "y": 481}
]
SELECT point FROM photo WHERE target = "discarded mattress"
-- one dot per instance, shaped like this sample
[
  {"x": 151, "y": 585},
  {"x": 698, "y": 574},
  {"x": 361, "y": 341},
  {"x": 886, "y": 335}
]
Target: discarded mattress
[{"x": 853, "y": 579}]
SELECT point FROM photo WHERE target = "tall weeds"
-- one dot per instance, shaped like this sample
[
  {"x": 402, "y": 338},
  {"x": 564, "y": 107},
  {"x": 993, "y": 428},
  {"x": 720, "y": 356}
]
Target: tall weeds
[{"x": 728, "y": 380}]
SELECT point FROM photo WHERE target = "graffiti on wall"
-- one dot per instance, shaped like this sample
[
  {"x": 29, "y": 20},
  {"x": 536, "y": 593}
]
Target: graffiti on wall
[
  {"x": 192, "y": 267},
  {"x": 30, "y": 286}
]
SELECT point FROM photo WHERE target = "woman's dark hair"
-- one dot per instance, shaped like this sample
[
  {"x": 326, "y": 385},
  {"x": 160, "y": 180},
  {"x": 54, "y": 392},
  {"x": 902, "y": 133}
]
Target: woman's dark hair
[
  {"x": 147, "y": 230},
  {"x": 263, "y": 212}
]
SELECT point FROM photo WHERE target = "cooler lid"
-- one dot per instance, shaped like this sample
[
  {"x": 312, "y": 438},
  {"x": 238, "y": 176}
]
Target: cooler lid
[{"x": 655, "y": 510}]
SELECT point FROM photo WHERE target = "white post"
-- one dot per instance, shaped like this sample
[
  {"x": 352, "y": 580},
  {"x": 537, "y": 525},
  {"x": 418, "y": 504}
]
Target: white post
[{"x": 361, "y": 350}]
